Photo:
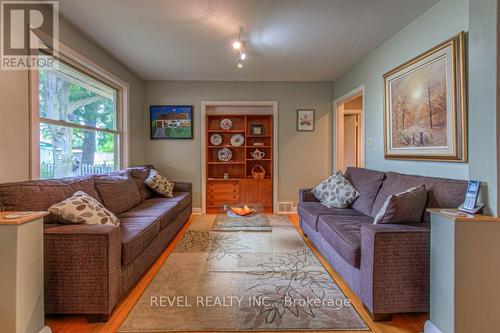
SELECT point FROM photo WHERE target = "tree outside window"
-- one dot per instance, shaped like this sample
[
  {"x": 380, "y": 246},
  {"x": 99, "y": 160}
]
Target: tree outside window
[{"x": 78, "y": 132}]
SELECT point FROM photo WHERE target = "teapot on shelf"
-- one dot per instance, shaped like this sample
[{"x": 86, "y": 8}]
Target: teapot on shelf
[{"x": 257, "y": 154}]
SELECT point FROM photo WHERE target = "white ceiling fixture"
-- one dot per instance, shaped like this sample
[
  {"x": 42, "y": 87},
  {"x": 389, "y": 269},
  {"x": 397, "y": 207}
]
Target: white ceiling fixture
[
  {"x": 287, "y": 40},
  {"x": 239, "y": 46}
]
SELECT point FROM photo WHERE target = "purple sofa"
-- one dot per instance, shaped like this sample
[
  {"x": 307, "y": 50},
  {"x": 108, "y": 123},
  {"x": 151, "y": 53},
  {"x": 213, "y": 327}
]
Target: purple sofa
[{"x": 386, "y": 265}]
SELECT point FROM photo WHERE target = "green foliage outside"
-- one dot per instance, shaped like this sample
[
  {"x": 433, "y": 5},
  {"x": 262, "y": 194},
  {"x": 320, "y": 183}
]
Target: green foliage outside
[{"x": 65, "y": 100}]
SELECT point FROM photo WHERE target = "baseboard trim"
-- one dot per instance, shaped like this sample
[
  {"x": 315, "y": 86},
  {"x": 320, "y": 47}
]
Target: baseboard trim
[{"x": 197, "y": 210}]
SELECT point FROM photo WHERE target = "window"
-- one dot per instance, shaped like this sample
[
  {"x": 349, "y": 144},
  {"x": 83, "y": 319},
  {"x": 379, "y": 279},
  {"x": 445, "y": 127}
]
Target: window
[{"x": 78, "y": 123}]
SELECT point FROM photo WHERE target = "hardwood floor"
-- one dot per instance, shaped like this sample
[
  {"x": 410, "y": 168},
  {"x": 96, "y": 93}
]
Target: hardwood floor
[{"x": 404, "y": 323}]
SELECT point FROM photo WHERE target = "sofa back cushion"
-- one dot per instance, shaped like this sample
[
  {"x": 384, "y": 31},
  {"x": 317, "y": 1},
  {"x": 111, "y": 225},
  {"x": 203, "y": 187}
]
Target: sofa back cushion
[
  {"x": 367, "y": 183},
  {"x": 118, "y": 191},
  {"x": 41, "y": 194},
  {"x": 441, "y": 192},
  {"x": 139, "y": 175}
]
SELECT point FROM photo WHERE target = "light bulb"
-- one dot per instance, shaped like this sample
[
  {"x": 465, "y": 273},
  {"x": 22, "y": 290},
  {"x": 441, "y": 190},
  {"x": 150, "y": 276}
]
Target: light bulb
[
  {"x": 243, "y": 56},
  {"x": 240, "y": 65},
  {"x": 236, "y": 45}
]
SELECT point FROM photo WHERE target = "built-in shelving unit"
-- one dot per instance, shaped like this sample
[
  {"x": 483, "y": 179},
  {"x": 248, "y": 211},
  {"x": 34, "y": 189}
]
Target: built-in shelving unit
[{"x": 239, "y": 186}]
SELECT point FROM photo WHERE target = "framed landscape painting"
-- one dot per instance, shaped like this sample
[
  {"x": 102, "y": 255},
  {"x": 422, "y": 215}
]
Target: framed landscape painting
[
  {"x": 425, "y": 106},
  {"x": 171, "y": 121}
]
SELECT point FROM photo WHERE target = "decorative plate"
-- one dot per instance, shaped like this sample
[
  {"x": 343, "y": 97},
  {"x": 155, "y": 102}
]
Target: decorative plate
[
  {"x": 237, "y": 140},
  {"x": 215, "y": 139},
  {"x": 226, "y": 124},
  {"x": 225, "y": 155}
]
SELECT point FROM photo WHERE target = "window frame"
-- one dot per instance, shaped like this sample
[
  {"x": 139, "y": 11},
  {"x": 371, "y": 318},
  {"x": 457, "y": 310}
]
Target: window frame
[{"x": 87, "y": 67}]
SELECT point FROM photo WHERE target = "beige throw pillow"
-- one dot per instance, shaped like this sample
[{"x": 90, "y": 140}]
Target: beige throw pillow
[
  {"x": 160, "y": 184},
  {"x": 82, "y": 208},
  {"x": 404, "y": 207}
]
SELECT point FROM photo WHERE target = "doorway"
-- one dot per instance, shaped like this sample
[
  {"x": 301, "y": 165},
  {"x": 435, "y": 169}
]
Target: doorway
[{"x": 349, "y": 131}]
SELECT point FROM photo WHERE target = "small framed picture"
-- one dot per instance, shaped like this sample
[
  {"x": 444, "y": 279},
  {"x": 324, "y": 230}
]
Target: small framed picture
[
  {"x": 305, "y": 120},
  {"x": 257, "y": 129}
]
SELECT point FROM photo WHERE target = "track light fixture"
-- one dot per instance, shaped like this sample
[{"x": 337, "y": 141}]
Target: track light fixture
[{"x": 239, "y": 47}]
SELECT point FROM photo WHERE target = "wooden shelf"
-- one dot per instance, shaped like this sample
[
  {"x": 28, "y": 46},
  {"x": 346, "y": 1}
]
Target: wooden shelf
[
  {"x": 226, "y": 146},
  {"x": 229, "y": 163},
  {"x": 241, "y": 185}
]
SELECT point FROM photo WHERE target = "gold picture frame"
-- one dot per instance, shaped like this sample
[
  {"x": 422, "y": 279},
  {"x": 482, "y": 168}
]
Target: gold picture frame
[{"x": 425, "y": 106}]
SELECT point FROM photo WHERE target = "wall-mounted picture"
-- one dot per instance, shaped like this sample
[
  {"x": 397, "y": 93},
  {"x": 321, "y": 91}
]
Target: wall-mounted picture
[
  {"x": 171, "y": 121},
  {"x": 425, "y": 107},
  {"x": 305, "y": 120}
]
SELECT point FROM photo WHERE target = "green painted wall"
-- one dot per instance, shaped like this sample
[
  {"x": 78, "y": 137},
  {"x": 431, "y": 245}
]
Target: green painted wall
[{"x": 446, "y": 19}]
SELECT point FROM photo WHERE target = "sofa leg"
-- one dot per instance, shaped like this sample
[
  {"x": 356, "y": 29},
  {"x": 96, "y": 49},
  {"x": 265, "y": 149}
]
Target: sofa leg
[
  {"x": 378, "y": 316},
  {"x": 97, "y": 318}
]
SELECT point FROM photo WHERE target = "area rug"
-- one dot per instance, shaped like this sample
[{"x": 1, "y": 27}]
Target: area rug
[{"x": 242, "y": 281}]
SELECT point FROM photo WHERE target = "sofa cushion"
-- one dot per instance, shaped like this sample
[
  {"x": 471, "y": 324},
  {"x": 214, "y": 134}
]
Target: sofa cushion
[
  {"x": 82, "y": 208},
  {"x": 404, "y": 207},
  {"x": 343, "y": 233},
  {"x": 182, "y": 198},
  {"x": 367, "y": 183},
  {"x": 335, "y": 191},
  {"x": 39, "y": 195},
  {"x": 310, "y": 212},
  {"x": 118, "y": 191},
  {"x": 163, "y": 209},
  {"x": 441, "y": 192},
  {"x": 137, "y": 233},
  {"x": 139, "y": 175}
]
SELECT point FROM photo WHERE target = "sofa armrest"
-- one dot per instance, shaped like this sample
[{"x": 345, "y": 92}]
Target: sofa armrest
[
  {"x": 305, "y": 195},
  {"x": 82, "y": 268},
  {"x": 183, "y": 187},
  {"x": 395, "y": 269}
]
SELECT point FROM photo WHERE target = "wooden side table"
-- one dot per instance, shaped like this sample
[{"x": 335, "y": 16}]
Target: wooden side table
[
  {"x": 465, "y": 273},
  {"x": 21, "y": 273}
]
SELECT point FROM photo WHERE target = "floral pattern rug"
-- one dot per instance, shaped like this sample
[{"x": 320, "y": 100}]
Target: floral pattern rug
[{"x": 242, "y": 281}]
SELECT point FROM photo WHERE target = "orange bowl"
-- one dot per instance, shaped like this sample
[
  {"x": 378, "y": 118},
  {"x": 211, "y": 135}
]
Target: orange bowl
[{"x": 242, "y": 211}]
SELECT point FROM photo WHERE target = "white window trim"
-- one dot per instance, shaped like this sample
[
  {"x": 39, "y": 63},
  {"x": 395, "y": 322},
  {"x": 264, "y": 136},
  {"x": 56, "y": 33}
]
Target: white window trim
[{"x": 92, "y": 69}]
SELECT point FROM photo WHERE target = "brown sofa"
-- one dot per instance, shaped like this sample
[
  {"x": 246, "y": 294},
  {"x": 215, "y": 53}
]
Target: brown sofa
[{"x": 89, "y": 268}]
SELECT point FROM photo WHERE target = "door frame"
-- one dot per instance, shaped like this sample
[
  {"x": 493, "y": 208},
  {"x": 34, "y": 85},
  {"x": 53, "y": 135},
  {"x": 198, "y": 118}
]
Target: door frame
[
  {"x": 274, "y": 106},
  {"x": 338, "y": 125}
]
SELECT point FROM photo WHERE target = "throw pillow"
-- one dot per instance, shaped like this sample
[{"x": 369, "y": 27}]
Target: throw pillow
[
  {"x": 404, "y": 207},
  {"x": 160, "y": 184},
  {"x": 82, "y": 208},
  {"x": 335, "y": 192}
]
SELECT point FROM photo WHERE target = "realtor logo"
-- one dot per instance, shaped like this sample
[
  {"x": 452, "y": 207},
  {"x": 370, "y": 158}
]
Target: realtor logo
[{"x": 26, "y": 28}]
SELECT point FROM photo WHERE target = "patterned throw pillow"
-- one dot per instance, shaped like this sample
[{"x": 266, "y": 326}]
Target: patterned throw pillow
[
  {"x": 160, "y": 184},
  {"x": 335, "y": 192},
  {"x": 82, "y": 208},
  {"x": 404, "y": 207}
]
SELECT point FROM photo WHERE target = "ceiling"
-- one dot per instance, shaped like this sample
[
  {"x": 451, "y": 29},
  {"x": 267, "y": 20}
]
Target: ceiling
[{"x": 287, "y": 40}]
